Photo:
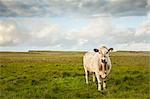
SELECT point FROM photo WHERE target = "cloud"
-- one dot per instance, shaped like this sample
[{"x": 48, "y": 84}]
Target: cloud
[
  {"x": 133, "y": 46},
  {"x": 47, "y": 35},
  {"x": 93, "y": 34},
  {"x": 128, "y": 7},
  {"x": 37, "y": 33},
  {"x": 80, "y": 8},
  {"x": 33, "y": 24},
  {"x": 33, "y": 33},
  {"x": 143, "y": 28},
  {"x": 15, "y": 8},
  {"x": 10, "y": 34},
  {"x": 101, "y": 31}
]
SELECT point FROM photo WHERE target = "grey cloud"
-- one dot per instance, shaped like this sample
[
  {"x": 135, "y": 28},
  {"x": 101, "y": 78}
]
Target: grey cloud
[
  {"x": 5, "y": 11},
  {"x": 128, "y": 7},
  {"x": 87, "y": 8},
  {"x": 14, "y": 8}
]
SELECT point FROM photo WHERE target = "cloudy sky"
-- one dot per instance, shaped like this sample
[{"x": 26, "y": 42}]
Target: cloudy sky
[{"x": 74, "y": 24}]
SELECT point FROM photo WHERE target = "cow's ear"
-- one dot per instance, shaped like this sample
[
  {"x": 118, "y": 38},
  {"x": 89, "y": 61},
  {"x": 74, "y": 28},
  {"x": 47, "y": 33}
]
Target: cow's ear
[
  {"x": 110, "y": 49},
  {"x": 96, "y": 50}
]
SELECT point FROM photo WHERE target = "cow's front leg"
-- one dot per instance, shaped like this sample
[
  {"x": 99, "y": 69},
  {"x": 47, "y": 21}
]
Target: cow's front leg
[
  {"x": 99, "y": 82},
  {"x": 104, "y": 84}
]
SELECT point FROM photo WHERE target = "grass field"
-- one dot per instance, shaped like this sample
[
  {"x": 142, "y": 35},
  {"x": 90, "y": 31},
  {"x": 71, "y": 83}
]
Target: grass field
[{"x": 60, "y": 75}]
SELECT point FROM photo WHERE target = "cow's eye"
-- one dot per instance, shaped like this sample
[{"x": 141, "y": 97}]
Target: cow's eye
[{"x": 106, "y": 52}]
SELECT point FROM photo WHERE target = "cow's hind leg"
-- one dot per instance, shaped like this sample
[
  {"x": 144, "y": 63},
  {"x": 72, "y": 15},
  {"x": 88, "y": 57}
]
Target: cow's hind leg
[
  {"x": 93, "y": 77},
  {"x": 86, "y": 76}
]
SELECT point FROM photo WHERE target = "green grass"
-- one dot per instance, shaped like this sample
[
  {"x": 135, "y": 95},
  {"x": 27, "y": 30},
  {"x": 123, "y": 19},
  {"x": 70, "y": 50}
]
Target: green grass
[{"x": 60, "y": 75}]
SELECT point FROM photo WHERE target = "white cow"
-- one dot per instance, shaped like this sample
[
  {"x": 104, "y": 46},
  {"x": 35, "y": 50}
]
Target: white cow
[{"x": 98, "y": 63}]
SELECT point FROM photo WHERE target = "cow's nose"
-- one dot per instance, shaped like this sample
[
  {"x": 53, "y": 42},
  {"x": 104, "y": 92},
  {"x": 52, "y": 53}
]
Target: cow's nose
[{"x": 103, "y": 61}]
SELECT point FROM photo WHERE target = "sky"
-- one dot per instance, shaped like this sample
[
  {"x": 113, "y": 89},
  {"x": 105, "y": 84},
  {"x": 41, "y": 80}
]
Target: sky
[{"x": 74, "y": 25}]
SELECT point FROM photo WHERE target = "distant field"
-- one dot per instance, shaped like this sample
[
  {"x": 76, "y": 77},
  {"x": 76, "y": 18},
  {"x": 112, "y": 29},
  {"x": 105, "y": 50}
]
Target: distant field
[{"x": 60, "y": 75}]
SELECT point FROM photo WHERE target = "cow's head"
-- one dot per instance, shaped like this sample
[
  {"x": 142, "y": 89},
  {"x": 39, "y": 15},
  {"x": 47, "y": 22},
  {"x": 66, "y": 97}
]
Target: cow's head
[{"x": 104, "y": 53}]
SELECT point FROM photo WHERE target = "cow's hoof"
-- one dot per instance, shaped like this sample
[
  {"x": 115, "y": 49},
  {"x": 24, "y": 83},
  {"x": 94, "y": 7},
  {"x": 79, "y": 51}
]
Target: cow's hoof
[{"x": 99, "y": 89}]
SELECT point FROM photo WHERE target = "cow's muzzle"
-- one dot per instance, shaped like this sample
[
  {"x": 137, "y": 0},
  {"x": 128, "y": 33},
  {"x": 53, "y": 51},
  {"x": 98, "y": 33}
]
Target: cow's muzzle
[{"x": 104, "y": 61}]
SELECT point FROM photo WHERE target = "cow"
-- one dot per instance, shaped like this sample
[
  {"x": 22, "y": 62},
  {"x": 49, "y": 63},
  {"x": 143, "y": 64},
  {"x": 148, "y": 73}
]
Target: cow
[{"x": 99, "y": 64}]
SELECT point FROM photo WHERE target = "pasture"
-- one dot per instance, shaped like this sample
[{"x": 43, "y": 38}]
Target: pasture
[{"x": 60, "y": 75}]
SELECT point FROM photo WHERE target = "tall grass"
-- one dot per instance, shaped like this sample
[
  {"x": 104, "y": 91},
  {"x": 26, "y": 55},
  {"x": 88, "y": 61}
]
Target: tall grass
[{"x": 60, "y": 75}]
